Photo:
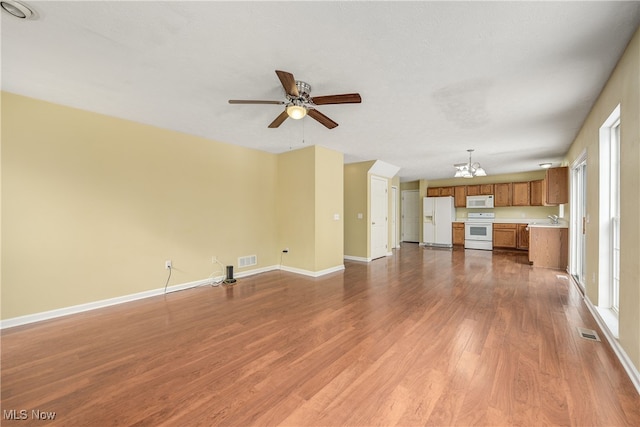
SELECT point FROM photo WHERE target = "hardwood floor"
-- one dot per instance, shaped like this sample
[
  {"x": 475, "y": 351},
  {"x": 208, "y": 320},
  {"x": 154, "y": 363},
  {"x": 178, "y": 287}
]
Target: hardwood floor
[{"x": 425, "y": 337}]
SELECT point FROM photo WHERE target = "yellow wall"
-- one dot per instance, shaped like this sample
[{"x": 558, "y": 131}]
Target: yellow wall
[
  {"x": 356, "y": 201},
  {"x": 310, "y": 193},
  {"x": 622, "y": 88},
  {"x": 296, "y": 207},
  {"x": 329, "y": 201},
  {"x": 92, "y": 206}
]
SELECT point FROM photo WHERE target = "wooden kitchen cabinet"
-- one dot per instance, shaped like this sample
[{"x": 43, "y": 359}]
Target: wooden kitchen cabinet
[
  {"x": 473, "y": 190},
  {"x": 522, "y": 236},
  {"x": 535, "y": 195},
  {"x": 439, "y": 191},
  {"x": 549, "y": 247},
  {"x": 505, "y": 236},
  {"x": 480, "y": 190},
  {"x": 446, "y": 191},
  {"x": 486, "y": 189},
  {"x": 458, "y": 233},
  {"x": 460, "y": 196},
  {"x": 556, "y": 186},
  {"x": 521, "y": 192},
  {"x": 433, "y": 192},
  {"x": 502, "y": 195}
]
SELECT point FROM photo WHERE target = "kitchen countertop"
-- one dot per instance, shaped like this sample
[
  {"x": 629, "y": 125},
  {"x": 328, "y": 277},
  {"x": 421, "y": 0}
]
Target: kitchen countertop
[{"x": 532, "y": 222}]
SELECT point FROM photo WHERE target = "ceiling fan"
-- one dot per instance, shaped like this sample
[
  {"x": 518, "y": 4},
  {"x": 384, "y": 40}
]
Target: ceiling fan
[{"x": 299, "y": 102}]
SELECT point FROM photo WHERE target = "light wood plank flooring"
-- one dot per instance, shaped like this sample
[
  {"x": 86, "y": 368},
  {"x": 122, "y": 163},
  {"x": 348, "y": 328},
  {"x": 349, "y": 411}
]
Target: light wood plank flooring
[{"x": 425, "y": 337}]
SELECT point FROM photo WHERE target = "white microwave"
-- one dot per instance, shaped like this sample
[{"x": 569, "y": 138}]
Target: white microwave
[{"x": 480, "y": 202}]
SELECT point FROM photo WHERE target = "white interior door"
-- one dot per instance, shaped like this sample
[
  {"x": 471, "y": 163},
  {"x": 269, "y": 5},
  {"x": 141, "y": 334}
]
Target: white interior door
[
  {"x": 379, "y": 224},
  {"x": 394, "y": 217},
  {"x": 410, "y": 216}
]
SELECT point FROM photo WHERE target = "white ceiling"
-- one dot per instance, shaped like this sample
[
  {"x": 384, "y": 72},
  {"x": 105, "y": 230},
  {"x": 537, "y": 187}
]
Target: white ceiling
[{"x": 513, "y": 80}]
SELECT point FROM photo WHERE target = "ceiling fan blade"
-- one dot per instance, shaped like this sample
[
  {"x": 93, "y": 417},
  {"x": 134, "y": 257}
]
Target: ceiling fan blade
[
  {"x": 347, "y": 98},
  {"x": 278, "y": 121},
  {"x": 288, "y": 82},
  {"x": 254, "y": 101},
  {"x": 324, "y": 120}
]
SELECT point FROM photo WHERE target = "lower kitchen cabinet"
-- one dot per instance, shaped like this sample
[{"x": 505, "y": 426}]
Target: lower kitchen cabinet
[
  {"x": 549, "y": 247},
  {"x": 458, "y": 233},
  {"x": 505, "y": 236},
  {"x": 523, "y": 236}
]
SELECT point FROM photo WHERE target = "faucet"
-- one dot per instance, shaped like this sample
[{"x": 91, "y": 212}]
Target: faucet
[{"x": 554, "y": 219}]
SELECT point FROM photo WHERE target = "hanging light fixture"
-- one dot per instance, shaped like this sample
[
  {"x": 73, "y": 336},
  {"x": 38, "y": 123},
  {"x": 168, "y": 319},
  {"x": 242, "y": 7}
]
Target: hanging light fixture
[{"x": 469, "y": 170}]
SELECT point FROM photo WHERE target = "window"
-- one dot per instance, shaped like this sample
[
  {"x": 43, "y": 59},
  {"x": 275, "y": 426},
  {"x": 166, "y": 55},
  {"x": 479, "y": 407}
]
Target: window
[
  {"x": 609, "y": 214},
  {"x": 614, "y": 212}
]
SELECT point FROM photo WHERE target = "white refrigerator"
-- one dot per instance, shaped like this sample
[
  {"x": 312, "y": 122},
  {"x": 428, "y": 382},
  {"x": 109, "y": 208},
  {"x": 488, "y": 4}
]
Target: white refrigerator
[{"x": 438, "y": 214}]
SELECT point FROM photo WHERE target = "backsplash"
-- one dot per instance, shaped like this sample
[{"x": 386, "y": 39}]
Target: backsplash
[{"x": 514, "y": 212}]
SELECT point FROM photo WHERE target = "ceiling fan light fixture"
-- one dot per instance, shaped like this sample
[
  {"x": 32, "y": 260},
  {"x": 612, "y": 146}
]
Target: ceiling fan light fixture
[{"x": 296, "y": 112}]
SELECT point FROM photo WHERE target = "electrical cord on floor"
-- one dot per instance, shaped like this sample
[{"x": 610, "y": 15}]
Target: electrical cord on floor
[
  {"x": 167, "y": 284},
  {"x": 217, "y": 282}
]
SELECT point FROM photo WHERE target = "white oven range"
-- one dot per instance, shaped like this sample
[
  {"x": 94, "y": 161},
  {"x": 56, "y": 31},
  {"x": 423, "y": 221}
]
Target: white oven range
[{"x": 478, "y": 231}]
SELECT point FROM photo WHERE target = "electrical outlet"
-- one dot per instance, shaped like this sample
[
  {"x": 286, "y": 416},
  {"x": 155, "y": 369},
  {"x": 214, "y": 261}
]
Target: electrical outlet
[{"x": 167, "y": 264}]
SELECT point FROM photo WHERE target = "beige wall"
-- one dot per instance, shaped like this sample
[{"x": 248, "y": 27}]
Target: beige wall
[
  {"x": 296, "y": 207},
  {"x": 356, "y": 200},
  {"x": 92, "y": 206},
  {"x": 622, "y": 88},
  {"x": 329, "y": 201}
]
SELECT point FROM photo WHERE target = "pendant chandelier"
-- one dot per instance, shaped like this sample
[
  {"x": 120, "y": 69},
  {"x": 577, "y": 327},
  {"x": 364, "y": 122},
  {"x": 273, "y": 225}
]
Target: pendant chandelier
[{"x": 469, "y": 170}]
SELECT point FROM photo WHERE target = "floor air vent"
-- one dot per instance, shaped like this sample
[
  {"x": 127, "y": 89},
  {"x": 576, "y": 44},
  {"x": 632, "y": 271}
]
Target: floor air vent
[
  {"x": 246, "y": 261},
  {"x": 588, "y": 334}
]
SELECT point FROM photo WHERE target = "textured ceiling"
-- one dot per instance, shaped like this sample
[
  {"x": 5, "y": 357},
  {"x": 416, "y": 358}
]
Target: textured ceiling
[{"x": 513, "y": 80}]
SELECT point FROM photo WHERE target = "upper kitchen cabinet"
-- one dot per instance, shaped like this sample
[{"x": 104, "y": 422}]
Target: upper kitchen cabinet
[
  {"x": 480, "y": 190},
  {"x": 535, "y": 198},
  {"x": 460, "y": 196},
  {"x": 433, "y": 192},
  {"x": 521, "y": 194},
  {"x": 446, "y": 191},
  {"x": 556, "y": 186},
  {"x": 439, "y": 191},
  {"x": 502, "y": 195}
]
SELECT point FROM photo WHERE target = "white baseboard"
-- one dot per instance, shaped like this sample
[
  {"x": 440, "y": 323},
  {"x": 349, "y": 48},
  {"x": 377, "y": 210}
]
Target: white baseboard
[
  {"x": 627, "y": 364},
  {"x": 51, "y": 314},
  {"x": 356, "y": 258},
  {"x": 312, "y": 273}
]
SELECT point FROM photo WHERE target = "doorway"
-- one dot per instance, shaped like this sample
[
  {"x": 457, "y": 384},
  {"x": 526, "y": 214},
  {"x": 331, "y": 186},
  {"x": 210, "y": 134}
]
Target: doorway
[{"x": 579, "y": 220}]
